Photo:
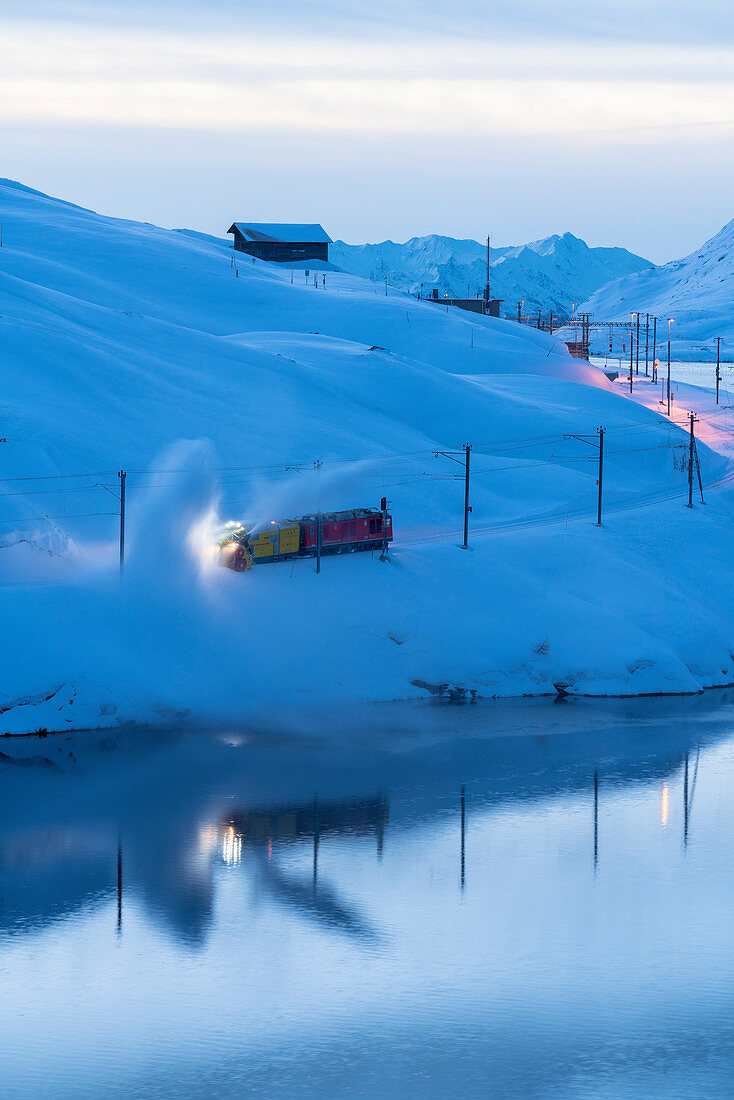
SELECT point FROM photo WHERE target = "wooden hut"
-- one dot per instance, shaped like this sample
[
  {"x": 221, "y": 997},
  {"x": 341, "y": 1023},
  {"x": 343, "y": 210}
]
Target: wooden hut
[{"x": 281, "y": 243}]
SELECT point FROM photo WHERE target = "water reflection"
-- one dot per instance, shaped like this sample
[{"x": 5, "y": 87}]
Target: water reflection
[
  {"x": 66, "y": 854},
  {"x": 522, "y": 890},
  {"x": 260, "y": 834}
]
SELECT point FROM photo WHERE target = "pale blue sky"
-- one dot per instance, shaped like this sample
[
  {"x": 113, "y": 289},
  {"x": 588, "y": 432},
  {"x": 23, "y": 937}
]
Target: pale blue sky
[{"x": 612, "y": 120}]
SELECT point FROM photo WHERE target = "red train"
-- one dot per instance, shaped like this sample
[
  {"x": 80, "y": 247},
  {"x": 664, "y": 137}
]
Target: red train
[{"x": 341, "y": 533}]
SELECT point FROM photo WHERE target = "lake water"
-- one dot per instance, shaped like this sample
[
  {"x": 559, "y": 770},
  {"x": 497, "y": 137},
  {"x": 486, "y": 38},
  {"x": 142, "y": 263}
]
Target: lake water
[{"x": 496, "y": 900}]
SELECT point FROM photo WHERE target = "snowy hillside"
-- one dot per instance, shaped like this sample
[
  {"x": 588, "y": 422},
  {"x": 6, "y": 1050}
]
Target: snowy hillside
[
  {"x": 548, "y": 274},
  {"x": 697, "y": 292},
  {"x": 218, "y": 383}
]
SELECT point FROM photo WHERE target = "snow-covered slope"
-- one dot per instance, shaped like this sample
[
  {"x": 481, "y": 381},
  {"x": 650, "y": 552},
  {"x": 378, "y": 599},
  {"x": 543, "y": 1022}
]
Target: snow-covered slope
[
  {"x": 697, "y": 292},
  {"x": 548, "y": 274},
  {"x": 122, "y": 338},
  {"x": 216, "y": 383}
]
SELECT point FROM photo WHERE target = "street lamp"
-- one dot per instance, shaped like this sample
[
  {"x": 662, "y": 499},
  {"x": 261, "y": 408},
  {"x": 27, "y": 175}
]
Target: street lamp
[{"x": 671, "y": 321}]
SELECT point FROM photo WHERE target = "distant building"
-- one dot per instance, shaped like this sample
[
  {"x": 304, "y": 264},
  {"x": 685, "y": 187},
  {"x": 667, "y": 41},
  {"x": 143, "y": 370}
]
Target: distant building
[
  {"x": 489, "y": 307},
  {"x": 579, "y": 349},
  {"x": 281, "y": 243}
]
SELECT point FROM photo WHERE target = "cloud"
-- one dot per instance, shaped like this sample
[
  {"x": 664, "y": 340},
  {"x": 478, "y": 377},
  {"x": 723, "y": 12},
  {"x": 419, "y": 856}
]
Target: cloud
[
  {"x": 96, "y": 75},
  {"x": 655, "y": 21}
]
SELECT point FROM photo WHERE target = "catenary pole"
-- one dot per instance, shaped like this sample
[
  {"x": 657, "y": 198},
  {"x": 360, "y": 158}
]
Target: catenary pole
[
  {"x": 467, "y": 509},
  {"x": 601, "y": 472},
  {"x": 637, "y": 341},
  {"x": 319, "y": 523},
  {"x": 632, "y": 340},
  {"x": 690, "y": 463},
  {"x": 718, "y": 364},
  {"x": 122, "y": 475},
  {"x": 486, "y": 285},
  {"x": 647, "y": 345},
  {"x": 668, "y": 368},
  {"x": 654, "y": 347}
]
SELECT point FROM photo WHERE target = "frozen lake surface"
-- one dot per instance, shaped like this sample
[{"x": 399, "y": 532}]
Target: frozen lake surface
[{"x": 510, "y": 900}]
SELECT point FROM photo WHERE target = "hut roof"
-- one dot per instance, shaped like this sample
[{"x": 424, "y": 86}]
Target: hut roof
[{"x": 287, "y": 232}]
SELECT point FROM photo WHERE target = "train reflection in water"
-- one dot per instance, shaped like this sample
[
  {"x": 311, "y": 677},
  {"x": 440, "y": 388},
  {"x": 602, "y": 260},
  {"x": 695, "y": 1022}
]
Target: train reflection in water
[
  {"x": 263, "y": 832},
  {"x": 291, "y": 824}
]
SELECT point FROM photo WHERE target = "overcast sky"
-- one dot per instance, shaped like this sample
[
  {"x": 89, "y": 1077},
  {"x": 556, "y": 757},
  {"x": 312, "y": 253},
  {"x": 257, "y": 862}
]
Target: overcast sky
[{"x": 388, "y": 119}]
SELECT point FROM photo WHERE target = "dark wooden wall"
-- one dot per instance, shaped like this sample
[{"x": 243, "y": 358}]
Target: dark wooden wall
[{"x": 281, "y": 251}]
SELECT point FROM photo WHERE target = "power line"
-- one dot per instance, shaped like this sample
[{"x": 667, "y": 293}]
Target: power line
[{"x": 77, "y": 515}]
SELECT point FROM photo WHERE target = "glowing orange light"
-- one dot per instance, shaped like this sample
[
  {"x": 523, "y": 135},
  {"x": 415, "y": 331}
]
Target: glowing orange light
[{"x": 664, "y": 806}]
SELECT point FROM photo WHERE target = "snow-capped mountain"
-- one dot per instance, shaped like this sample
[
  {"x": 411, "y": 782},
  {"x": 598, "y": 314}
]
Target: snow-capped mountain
[
  {"x": 697, "y": 292},
  {"x": 548, "y": 274}
]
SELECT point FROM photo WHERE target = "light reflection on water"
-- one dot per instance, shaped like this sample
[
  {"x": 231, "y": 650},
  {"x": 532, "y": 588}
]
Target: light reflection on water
[{"x": 522, "y": 900}]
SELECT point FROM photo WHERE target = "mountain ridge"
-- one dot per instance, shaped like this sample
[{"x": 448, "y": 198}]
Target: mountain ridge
[
  {"x": 696, "y": 290},
  {"x": 549, "y": 273}
]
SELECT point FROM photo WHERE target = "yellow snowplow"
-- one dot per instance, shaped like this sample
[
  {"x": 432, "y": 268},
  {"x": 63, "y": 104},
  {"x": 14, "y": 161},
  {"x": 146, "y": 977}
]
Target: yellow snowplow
[
  {"x": 236, "y": 555},
  {"x": 240, "y": 546}
]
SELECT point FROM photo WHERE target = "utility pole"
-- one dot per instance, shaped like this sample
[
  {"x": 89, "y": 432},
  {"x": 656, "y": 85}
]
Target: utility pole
[
  {"x": 550, "y": 325},
  {"x": 718, "y": 363},
  {"x": 519, "y": 313},
  {"x": 654, "y": 348},
  {"x": 632, "y": 340},
  {"x": 690, "y": 463},
  {"x": 670, "y": 321},
  {"x": 601, "y": 471},
  {"x": 386, "y": 286},
  {"x": 637, "y": 357},
  {"x": 538, "y": 318},
  {"x": 647, "y": 344},
  {"x": 486, "y": 285},
  {"x": 467, "y": 509},
  {"x": 600, "y": 445},
  {"x": 319, "y": 524},
  {"x": 122, "y": 475},
  {"x": 384, "y": 556}
]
